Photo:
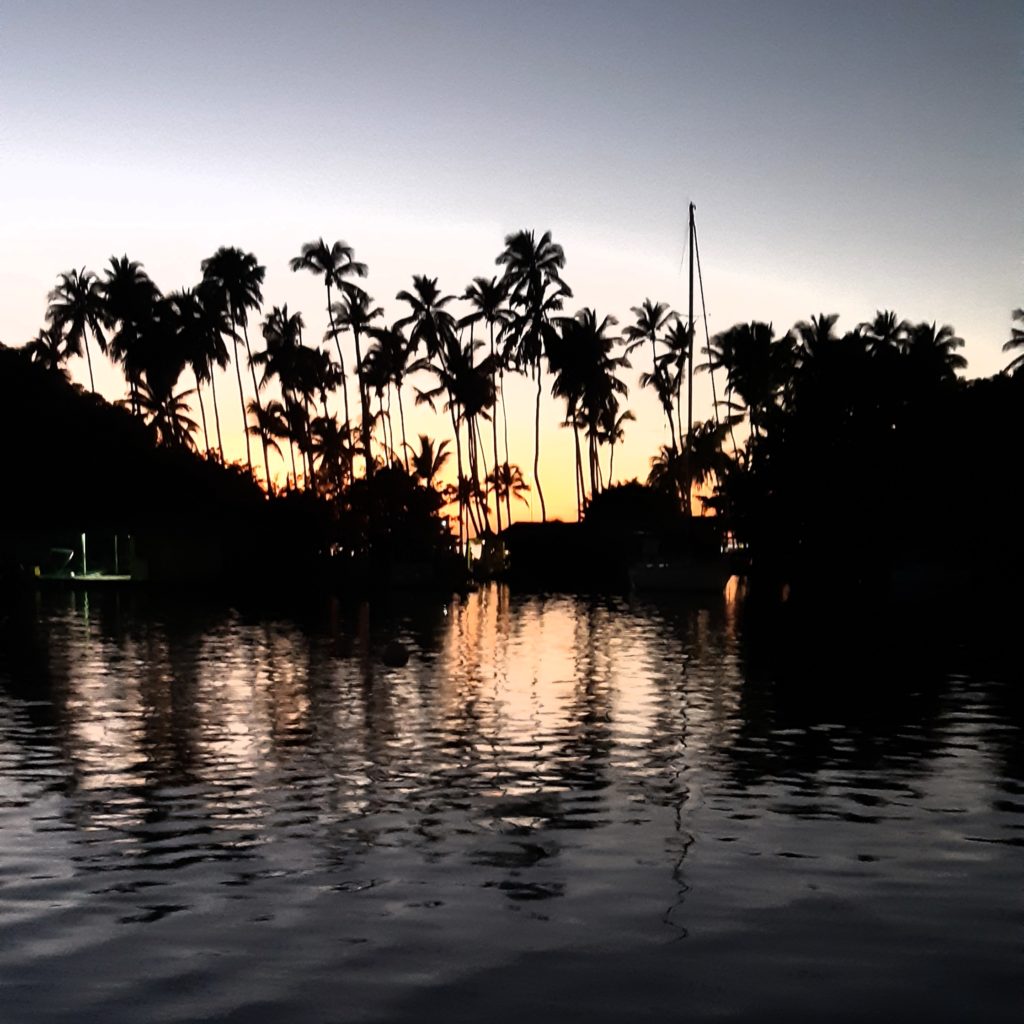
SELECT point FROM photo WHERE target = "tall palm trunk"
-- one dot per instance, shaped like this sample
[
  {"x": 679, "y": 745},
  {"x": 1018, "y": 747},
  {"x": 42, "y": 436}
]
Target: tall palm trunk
[
  {"x": 463, "y": 531},
  {"x": 494, "y": 434},
  {"x": 536, "y": 448},
  {"x": 364, "y": 404},
  {"x": 578, "y": 471},
  {"x": 341, "y": 357},
  {"x": 401, "y": 415},
  {"x": 504, "y": 416},
  {"x": 202, "y": 410},
  {"x": 216, "y": 410},
  {"x": 480, "y": 473},
  {"x": 241, "y": 396},
  {"x": 259, "y": 406},
  {"x": 88, "y": 359}
]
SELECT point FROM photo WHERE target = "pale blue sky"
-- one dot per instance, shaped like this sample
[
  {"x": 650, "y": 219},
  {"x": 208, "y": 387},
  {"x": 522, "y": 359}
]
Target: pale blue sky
[{"x": 843, "y": 156}]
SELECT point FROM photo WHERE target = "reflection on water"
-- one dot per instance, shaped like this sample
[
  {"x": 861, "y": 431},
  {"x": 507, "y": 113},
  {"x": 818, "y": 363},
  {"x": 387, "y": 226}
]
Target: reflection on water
[{"x": 577, "y": 808}]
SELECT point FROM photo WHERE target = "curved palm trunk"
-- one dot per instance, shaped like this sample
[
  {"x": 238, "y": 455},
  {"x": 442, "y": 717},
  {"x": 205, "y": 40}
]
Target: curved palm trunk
[
  {"x": 380, "y": 412},
  {"x": 364, "y": 403},
  {"x": 480, "y": 461},
  {"x": 536, "y": 449},
  {"x": 259, "y": 405},
  {"x": 401, "y": 415},
  {"x": 494, "y": 435},
  {"x": 578, "y": 474},
  {"x": 88, "y": 359},
  {"x": 216, "y": 412},
  {"x": 341, "y": 357},
  {"x": 461, "y": 488},
  {"x": 241, "y": 397},
  {"x": 202, "y": 410},
  {"x": 592, "y": 453}
]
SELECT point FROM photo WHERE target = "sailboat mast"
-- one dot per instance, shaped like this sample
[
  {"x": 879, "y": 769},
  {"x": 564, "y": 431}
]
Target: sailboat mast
[{"x": 689, "y": 377}]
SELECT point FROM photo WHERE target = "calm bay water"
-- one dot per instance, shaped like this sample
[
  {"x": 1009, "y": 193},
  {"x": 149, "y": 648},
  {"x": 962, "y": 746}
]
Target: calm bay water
[{"x": 566, "y": 808}]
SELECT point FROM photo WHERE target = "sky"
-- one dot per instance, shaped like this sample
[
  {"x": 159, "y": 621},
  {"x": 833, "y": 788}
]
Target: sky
[{"x": 843, "y": 157}]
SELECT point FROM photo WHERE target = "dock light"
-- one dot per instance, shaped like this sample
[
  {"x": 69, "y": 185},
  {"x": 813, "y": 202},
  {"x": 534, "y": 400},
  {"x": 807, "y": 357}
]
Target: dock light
[{"x": 85, "y": 568}]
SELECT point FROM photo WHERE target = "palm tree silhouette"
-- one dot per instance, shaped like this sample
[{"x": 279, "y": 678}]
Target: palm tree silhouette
[
  {"x": 388, "y": 361},
  {"x": 536, "y": 291},
  {"x": 508, "y": 482},
  {"x": 932, "y": 354},
  {"x": 758, "y": 368},
  {"x": 584, "y": 370},
  {"x": 129, "y": 299},
  {"x": 811, "y": 339},
  {"x": 76, "y": 308},
  {"x": 167, "y": 414},
  {"x": 47, "y": 350},
  {"x": 674, "y": 366},
  {"x": 212, "y": 352},
  {"x": 1016, "y": 342},
  {"x": 236, "y": 280},
  {"x": 335, "y": 263},
  {"x": 287, "y": 359},
  {"x": 355, "y": 313},
  {"x": 613, "y": 431},
  {"x": 488, "y": 300},
  {"x": 189, "y": 339},
  {"x": 467, "y": 385},
  {"x": 433, "y": 327},
  {"x": 428, "y": 461},
  {"x": 884, "y": 334},
  {"x": 651, "y": 319}
]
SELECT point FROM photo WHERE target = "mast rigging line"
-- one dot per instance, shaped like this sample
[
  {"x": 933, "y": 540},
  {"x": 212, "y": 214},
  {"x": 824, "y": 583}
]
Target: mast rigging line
[{"x": 707, "y": 338}]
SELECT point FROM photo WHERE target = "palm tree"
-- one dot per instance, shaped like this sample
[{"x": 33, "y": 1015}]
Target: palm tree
[
  {"x": 186, "y": 332},
  {"x": 211, "y": 353},
  {"x": 236, "y": 279},
  {"x": 488, "y": 300},
  {"x": 813, "y": 339},
  {"x": 286, "y": 358},
  {"x": 584, "y": 372},
  {"x": 651, "y": 319},
  {"x": 331, "y": 454},
  {"x": 613, "y": 431},
  {"x": 47, "y": 350},
  {"x": 884, "y": 334},
  {"x": 536, "y": 292},
  {"x": 166, "y": 413},
  {"x": 428, "y": 462},
  {"x": 1016, "y": 341},
  {"x": 758, "y": 367},
  {"x": 508, "y": 482},
  {"x": 76, "y": 308},
  {"x": 335, "y": 263},
  {"x": 932, "y": 354},
  {"x": 671, "y": 471},
  {"x": 674, "y": 367},
  {"x": 433, "y": 327},
  {"x": 129, "y": 298},
  {"x": 389, "y": 359},
  {"x": 668, "y": 473},
  {"x": 467, "y": 387},
  {"x": 355, "y": 313}
]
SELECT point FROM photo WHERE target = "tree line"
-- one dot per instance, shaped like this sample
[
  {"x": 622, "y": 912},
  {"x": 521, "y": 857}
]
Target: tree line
[{"x": 169, "y": 345}]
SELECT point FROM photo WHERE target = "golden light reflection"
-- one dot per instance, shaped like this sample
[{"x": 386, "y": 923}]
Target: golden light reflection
[{"x": 522, "y": 697}]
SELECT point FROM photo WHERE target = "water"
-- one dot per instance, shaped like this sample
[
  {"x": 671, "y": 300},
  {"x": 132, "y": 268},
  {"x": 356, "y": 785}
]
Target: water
[{"x": 561, "y": 808}]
